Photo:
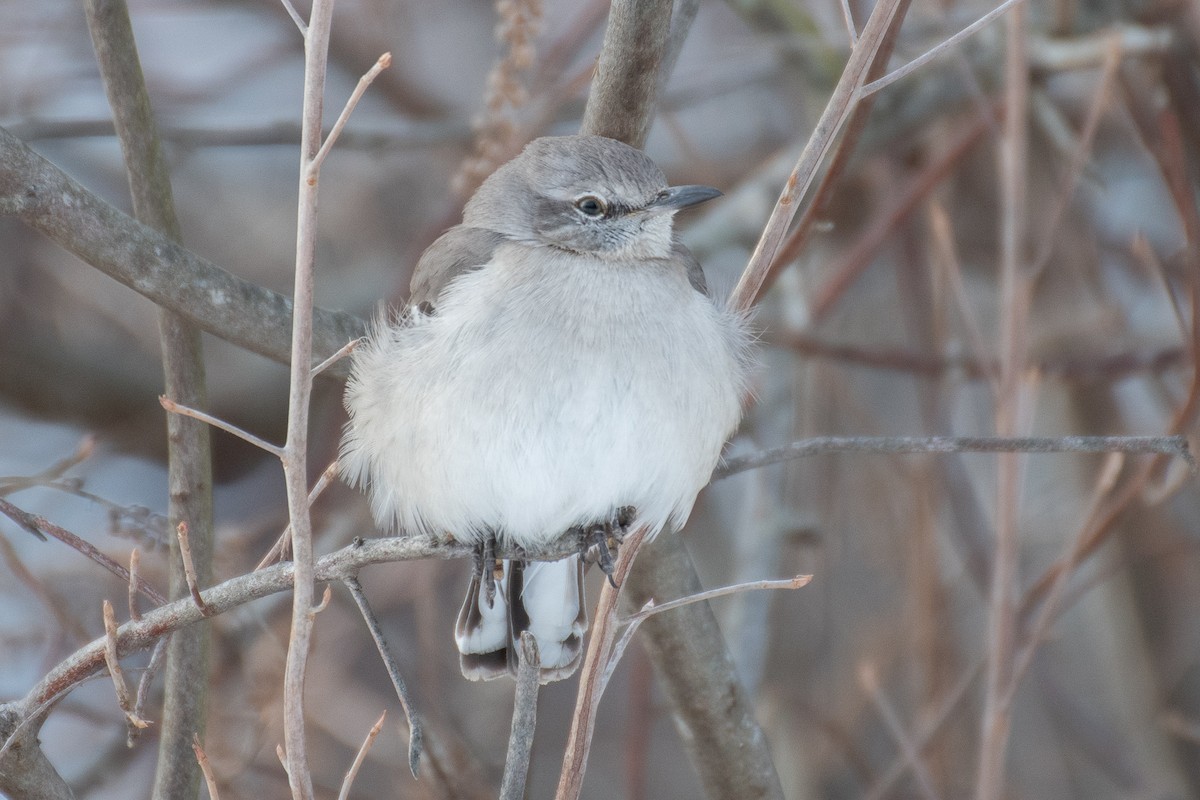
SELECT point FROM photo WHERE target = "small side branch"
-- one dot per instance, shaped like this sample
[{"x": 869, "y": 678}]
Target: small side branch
[
  {"x": 124, "y": 699},
  {"x": 210, "y": 780},
  {"x": 189, "y": 569},
  {"x": 352, "y": 773},
  {"x": 393, "y": 669},
  {"x": 216, "y": 422}
]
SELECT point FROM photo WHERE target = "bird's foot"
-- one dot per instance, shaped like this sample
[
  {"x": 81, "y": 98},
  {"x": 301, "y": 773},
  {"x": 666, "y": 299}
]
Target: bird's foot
[
  {"x": 488, "y": 568},
  {"x": 605, "y": 537}
]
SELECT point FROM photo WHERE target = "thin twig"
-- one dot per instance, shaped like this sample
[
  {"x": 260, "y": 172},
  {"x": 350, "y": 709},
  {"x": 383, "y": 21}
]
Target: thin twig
[
  {"x": 848, "y": 18},
  {"x": 342, "y": 352},
  {"x": 324, "y": 604},
  {"x": 592, "y": 676},
  {"x": 111, "y": 659},
  {"x": 837, "y": 111},
  {"x": 189, "y": 569},
  {"x": 301, "y": 25},
  {"x": 891, "y": 720},
  {"x": 634, "y": 621},
  {"x": 157, "y": 655},
  {"x": 210, "y": 779},
  {"x": 524, "y": 719},
  {"x": 361, "y": 756},
  {"x": 134, "y": 560},
  {"x": 216, "y": 422},
  {"x": 277, "y": 550},
  {"x": 393, "y": 670},
  {"x": 651, "y": 608},
  {"x": 40, "y": 525},
  {"x": 934, "y": 52},
  {"x": 906, "y": 445},
  {"x": 314, "y": 166}
]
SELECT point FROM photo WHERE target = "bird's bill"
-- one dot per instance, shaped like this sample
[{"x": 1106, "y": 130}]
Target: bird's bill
[{"x": 677, "y": 197}]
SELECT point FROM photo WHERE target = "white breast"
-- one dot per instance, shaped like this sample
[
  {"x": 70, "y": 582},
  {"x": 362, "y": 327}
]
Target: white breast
[{"x": 547, "y": 391}]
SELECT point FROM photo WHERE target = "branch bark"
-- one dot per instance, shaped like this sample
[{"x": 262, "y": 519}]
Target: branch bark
[
  {"x": 156, "y": 266},
  {"x": 189, "y": 458}
]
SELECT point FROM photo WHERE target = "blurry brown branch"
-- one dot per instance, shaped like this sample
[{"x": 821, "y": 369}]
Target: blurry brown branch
[{"x": 1111, "y": 368}]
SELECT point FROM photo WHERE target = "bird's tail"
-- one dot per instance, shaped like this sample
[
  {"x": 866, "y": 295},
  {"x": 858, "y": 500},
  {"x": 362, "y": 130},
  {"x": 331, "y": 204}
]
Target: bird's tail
[{"x": 543, "y": 597}]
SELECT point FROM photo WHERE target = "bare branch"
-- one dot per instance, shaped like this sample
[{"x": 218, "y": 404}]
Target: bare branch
[
  {"x": 184, "y": 411},
  {"x": 908, "y": 746},
  {"x": 593, "y": 674},
  {"x": 361, "y": 756},
  {"x": 189, "y": 569},
  {"x": 837, "y": 111},
  {"x": 941, "y": 47},
  {"x": 314, "y": 167},
  {"x": 415, "y": 735},
  {"x": 280, "y": 547},
  {"x": 621, "y": 105},
  {"x": 345, "y": 350},
  {"x": 210, "y": 780},
  {"x": 906, "y": 445},
  {"x": 524, "y": 719},
  {"x": 134, "y": 560},
  {"x": 154, "y": 265},
  {"x": 124, "y": 700},
  {"x": 301, "y": 25},
  {"x": 40, "y": 525}
]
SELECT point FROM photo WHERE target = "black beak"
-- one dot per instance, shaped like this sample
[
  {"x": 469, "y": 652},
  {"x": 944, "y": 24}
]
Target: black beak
[{"x": 677, "y": 197}]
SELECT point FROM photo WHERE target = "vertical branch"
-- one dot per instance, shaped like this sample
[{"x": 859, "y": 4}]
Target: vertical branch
[
  {"x": 621, "y": 104},
  {"x": 295, "y": 461},
  {"x": 1014, "y": 297},
  {"x": 189, "y": 472},
  {"x": 524, "y": 720}
]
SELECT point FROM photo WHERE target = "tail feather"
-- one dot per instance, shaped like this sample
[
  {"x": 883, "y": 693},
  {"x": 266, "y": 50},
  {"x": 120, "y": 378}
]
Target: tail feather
[{"x": 544, "y": 598}]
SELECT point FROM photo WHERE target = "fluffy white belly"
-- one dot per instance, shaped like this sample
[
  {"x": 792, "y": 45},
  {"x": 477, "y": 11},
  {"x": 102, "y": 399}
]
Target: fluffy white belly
[{"x": 535, "y": 400}]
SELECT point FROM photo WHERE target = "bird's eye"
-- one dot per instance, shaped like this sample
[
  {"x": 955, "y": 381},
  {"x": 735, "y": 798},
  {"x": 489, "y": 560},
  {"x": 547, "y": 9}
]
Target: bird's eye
[{"x": 591, "y": 205}]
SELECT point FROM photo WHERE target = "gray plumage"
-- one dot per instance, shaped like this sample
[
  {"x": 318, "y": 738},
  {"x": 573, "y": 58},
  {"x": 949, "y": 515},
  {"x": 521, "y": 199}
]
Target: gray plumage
[{"x": 558, "y": 363}]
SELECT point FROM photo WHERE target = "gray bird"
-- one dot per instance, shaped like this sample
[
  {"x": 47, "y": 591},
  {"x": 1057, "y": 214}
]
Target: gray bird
[{"x": 560, "y": 366}]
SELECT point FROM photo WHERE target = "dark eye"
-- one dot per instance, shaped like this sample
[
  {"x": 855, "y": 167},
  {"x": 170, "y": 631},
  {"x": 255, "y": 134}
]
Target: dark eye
[{"x": 591, "y": 205}]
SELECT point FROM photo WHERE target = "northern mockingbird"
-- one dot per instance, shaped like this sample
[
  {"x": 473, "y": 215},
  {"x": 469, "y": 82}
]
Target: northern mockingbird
[{"x": 560, "y": 366}]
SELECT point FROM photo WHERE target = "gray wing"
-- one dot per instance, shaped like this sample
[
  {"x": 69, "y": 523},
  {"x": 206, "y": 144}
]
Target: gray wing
[
  {"x": 457, "y": 251},
  {"x": 695, "y": 272}
]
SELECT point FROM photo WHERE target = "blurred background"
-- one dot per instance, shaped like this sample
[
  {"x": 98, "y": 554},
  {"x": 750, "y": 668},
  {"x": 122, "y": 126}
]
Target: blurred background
[{"x": 890, "y": 320}]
